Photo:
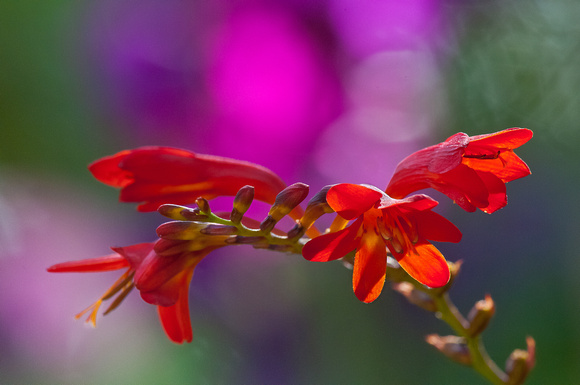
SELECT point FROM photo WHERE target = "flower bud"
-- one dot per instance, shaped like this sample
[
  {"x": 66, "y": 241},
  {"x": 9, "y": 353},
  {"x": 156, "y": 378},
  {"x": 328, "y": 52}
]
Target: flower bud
[
  {"x": 180, "y": 230},
  {"x": 219, "y": 230},
  {"x": 414, "y": 296},
  {"x": 317, "y": 206},
  {"x": 203, "y": 205},
  {"x": 480, "y": 315},
  {"x": 287, "y": 200},
  {"x": 181, "y": 213},
  {"x": 242, "y": 203},
  {"x": 520, "y": 363},
  {"x": 453, "y": 347}
]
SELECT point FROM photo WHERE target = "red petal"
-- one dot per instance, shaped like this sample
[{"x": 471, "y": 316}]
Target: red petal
[
  {"x": 93, "y": 265},
  {"x": 447, "y": 155},
  {"x": 417, "y": 202},
  {"x": 107, "y": 171},
  {"x": 506, "y": 139},
  {"x": 370, "y": 267},
  {"x": 329, "y": 247},
  {"x": 156, "y": 175},
  {"x": 175, "y": 319},
  {"x": 507, "y": 166},
  {"x": 428, "y": 266},
  {"x": 496, "y": 191},
  {"x": 135, "y": 254},
  {"x": 352, "y": 200},
  {"x": 434, "y": 227}
]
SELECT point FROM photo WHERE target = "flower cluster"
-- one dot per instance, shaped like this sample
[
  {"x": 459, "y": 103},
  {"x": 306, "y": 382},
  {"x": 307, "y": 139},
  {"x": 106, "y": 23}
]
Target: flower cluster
[{"x": 370, "y": 223}]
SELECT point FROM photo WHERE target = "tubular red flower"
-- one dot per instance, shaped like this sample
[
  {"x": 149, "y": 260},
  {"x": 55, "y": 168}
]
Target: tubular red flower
[
  {"x": 156, "y": 175},
  {"x": 472, "y": 171},
  {"x": 401, "y": 225},
  {"x": 162, "y": 281}
]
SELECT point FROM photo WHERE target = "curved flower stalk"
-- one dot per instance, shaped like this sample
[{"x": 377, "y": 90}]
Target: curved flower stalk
[
  {"x": 401, "y": 225},
  {"x": 472, "y": 171},
  {"x": 370, "y": 226}
]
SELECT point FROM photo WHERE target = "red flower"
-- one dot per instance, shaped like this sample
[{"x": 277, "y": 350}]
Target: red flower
[
  {"x": 472, "y": 171},
  {"x": 402, "y": 225},
  {"x": 158, "y": 175},
  {"x": 162, "y": 281}
]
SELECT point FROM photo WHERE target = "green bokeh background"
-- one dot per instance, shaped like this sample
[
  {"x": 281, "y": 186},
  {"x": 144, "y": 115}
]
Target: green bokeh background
[{"x": 507, "y": 64}]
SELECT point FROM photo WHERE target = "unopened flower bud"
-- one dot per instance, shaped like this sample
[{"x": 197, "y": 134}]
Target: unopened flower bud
[
  {"x": 181, "y": 213},
  {"x": 180, "y": 230},
  {"x": 520, "y": 363},
  {"x": 480, "y": 315},
  {"x": 287, "y": 200},
  {"x": 242, "y": 203},
  {"x": 414, "y": 296},
  {"x": 203, "y": 205},
  {"x": 317, "y": 206},
  {"x": 453, "y": 347},
  {"x": 219, "y": 230}
]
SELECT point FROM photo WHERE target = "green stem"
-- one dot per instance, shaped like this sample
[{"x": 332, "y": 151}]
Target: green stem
[{"x": 480, "y": 360}]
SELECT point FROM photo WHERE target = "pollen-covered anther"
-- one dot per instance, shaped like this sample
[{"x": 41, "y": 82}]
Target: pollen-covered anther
[
  {"x": 397, "y": 245},
  {"x": 386, "y": 234}
]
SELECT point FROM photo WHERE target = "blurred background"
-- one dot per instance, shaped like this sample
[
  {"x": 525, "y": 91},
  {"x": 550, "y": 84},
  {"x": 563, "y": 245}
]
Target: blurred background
[{"x": 320, "y": 91}]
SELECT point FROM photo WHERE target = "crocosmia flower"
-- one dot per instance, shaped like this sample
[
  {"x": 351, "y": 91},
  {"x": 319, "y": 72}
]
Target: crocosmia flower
[
  {"x": 162, "y": 280},
  {"x": 157, "y": 175},
  {"x": 404, "y": 226},
  {"x": 472, "y": 170}
]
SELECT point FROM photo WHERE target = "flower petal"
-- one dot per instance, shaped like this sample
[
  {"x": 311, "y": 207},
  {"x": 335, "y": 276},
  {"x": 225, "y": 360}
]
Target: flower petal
[
  {"x": 370, "y": 267},
  {"x": 435, "y": 227},
  {"x": 506, "y": 139},
  {"x": 427, "y": 265},
  {"x": 175, "y": 319},
  {"x": 156, "y": 175},
  {"x": 329, "y": 247},
  {"x": 352, "y": 200},
  {"x": 93, "y": 265}
]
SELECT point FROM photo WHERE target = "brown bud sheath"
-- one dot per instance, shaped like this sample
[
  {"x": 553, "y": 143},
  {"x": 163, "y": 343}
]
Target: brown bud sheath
[
  {"x": 480, "y": 315},
  {"x": 414, "y": 296},
  {"x": 520, "y": 363},
  {"x": 453, "y": 347}
]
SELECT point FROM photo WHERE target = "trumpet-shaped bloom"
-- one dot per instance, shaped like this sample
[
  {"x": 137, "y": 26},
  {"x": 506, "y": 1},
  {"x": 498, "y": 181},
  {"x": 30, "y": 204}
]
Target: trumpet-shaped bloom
[
  {"x": 162, "y": 281},
  {"x": 472, "y": 171},
  {"x": 401, "y": 225},
  {"x": 157, "y": 175}
]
